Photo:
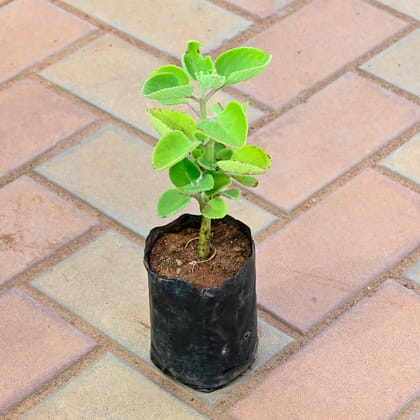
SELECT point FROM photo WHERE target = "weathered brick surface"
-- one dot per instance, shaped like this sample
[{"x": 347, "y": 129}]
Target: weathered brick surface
[
  {"x": 365, "y": 366},
  {"x": 314, "y": 42},
  {"x": 398, "y": 65},
  {"x": 312, "y": 144},
  {"x": 168, "y": 25},
  {"x": 35, "y": 346},
  {"x": 31, "y": 30},
  {"x": 326, "y": 255},
  {"x": 34, "y": 224},
  {"x": 32, "y": 120},
  {"x": 111, "y": 389}
]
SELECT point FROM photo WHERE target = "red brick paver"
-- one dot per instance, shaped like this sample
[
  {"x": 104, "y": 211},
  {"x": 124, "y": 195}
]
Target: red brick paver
[
  {"x": 329, "y": 253},
  {"x": 318, "y": 133},
  {"x": 364, "y": 367},
  {"x": 35, "y": 345},
  {"x": 31, "y": 30},
  {"x": 32, "y": 120},
  {"x": 314, "y": 42},
  {"x": 34, "y": 224}
]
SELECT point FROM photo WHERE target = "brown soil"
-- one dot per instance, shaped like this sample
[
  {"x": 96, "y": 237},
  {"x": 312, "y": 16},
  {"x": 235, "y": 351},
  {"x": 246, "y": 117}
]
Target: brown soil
[{"x": 173, "y": 256}]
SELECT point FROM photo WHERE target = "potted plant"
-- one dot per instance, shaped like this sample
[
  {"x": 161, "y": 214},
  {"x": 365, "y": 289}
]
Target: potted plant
[{"x": 201, "y": 269}]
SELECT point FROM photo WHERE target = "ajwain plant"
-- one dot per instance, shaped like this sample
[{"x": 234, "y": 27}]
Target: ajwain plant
[{"x": 206, "y": 154}]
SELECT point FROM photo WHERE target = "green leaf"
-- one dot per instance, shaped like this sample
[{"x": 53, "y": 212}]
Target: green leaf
[
  {"x": 204, "y": 163},
  {"x": 175, "y": 70},
  {"x": 170, "y": 202},
  {"x": 205, "y": 183},
  {"x": 247, "y": 180},
  {"x": 210, "y": 81},
  {"x": 216, "y": 208},
  {"x": 165, "y": 120},
  {"x": 230, "y": 127},
  {"x": 216, "y": 108},
  {"x": 197, "y": 153},
  {"x": 239, "y": 64},
  {"x": 184, "y": 173},
  {"x": 171, "y": 149},
  {"x": 233, "y": 193},
  {"x": 220, "y": 181},
  {"x": 200, "y": 136},
  {"x": 253, "y": 155},
  {"x": 224, "y": 154},
  {"x": 168, "y": 85},
  {"x": 235, "y": 167},
  {"x": 194, "y": 63}
]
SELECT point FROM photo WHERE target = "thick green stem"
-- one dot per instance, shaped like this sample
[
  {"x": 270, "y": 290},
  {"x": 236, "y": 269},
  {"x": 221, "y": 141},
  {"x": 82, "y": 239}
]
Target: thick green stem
[
  {"x": 205, "y": 229},
  {"x": 204, "y": 238}
]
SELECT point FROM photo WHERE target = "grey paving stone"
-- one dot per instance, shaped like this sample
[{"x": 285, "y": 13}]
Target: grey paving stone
[
  {"x": 398, "y": 65},
  {"x": 111, "y": 389},
  {"x": 406, "y": 160}
]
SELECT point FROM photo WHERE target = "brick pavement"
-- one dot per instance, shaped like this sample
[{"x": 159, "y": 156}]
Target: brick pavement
[{"x": 336, "y": 220}]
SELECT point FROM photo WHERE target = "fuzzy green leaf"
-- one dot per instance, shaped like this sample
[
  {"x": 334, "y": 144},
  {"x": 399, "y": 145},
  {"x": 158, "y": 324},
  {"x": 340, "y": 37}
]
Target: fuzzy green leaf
[
  {"x": 168, "y": 85},
  {"x": 184, "y": 173},
  {"x": 235, "y": 167},
  {"x": 253, "y": 155},
  {"x": 247, "y": 180},
  {"x": 233, "y": 193},
  {"x": 216, "y": 208},
  {"x": 201, "y": 137},
  {"x": 240, "y": 64},
  {"x": 224, "y": 154},
  {"x": 177, "y": 71},
  {"x": 171, "y": 149},
  {"x": 165, "y": 120},
  {"x": 205, "y": 183},
  {"x": 210, "y": 81},
  {"x": 204, "y": 163},
  {"x": 194, "y": 63},
  {"x": 230, "y": 127},
  {"x": 170, "y": 202},
  {"x": 220, "y": 181}
]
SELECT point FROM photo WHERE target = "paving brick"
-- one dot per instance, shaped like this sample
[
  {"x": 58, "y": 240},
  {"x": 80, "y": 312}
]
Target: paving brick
[
  {"x": 31, "y": 30},
  {"x": 262, "y": 8},
  {"x": 271, "y": 343},
  {"x": 365, "y": 366},
  {"x": 312, "y": 145},
  {"x": 111, "y": 389},
  {"x": 178, "y": 22},
  {"x": 327, "y": 254},
  {"x": 313, "y": 43},
  {"x": 406, "y": 160},
  {"x": 105, "y": 284},
  {"x": 109, "y": 73},
  {"x": 413, "y": 273},
  {"x": 398, "y": 65},
  {"x": 34, "y": 224},
  {"x": 107, "y": 170},
  {"x": 409, "y": 7},
  {"x": 20, "y": 138},
  {"x": 36, "y": 346}
]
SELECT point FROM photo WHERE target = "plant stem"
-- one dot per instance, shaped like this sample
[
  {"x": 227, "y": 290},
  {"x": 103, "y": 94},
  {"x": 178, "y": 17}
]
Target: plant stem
[
  {"x": 205, "y": 228},
  {"x": 204, "y": 238}
]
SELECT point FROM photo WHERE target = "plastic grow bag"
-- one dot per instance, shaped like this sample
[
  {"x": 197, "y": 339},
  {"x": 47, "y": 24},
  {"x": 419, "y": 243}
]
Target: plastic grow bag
[{"x": 202, "y": 337}]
